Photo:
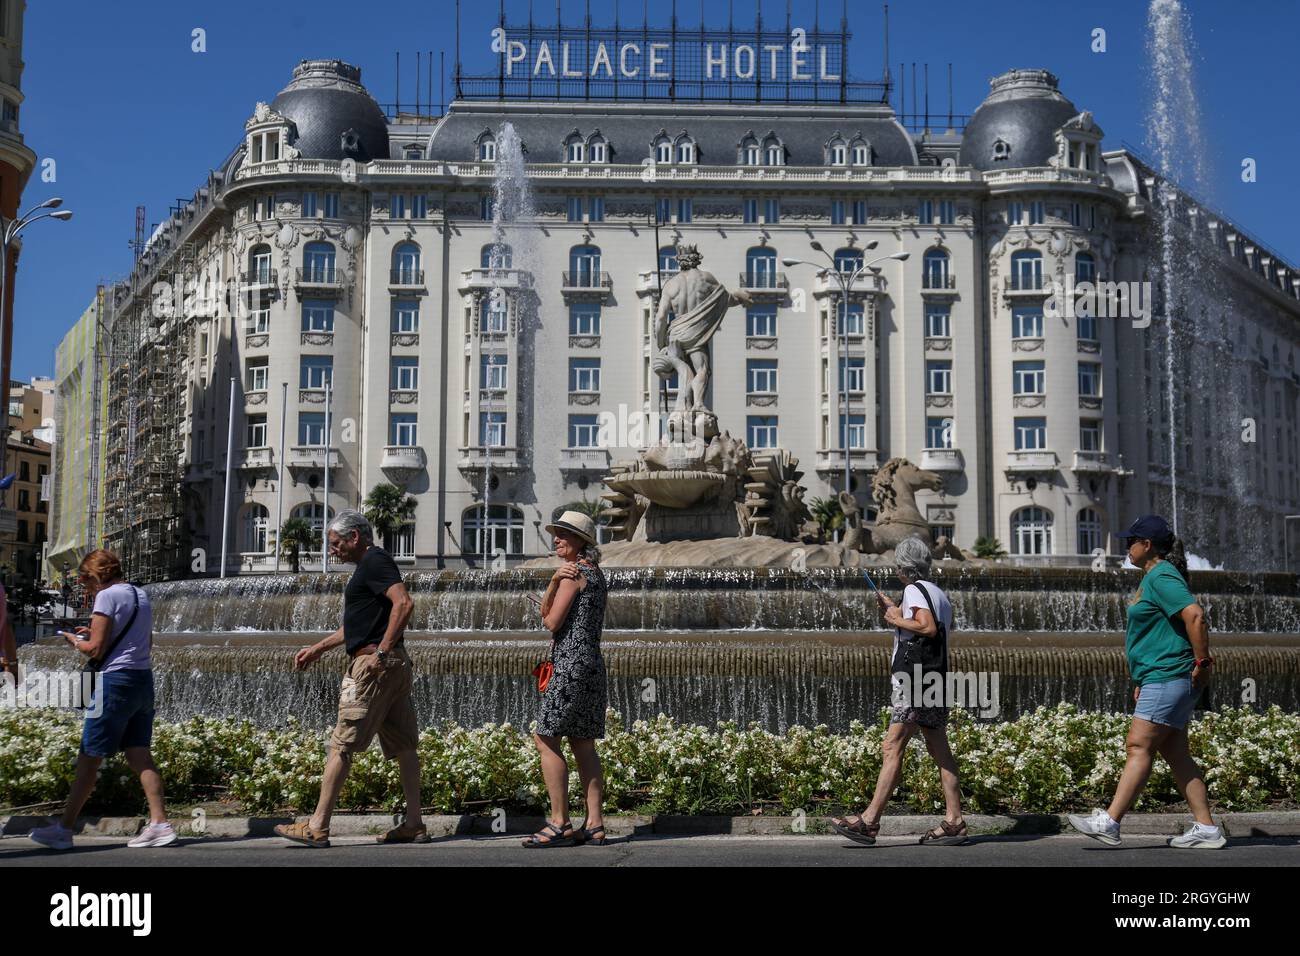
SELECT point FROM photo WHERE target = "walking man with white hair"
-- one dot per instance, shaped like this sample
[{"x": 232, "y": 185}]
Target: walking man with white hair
[{"x": 376, "y": 694}]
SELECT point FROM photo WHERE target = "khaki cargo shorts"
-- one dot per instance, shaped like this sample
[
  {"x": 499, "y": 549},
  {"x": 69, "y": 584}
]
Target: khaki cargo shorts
[{"x": 375, "y": 700}]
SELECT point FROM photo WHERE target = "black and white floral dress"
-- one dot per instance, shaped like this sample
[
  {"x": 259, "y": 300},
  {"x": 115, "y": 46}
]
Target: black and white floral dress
[{"x": 575, "y": 699}]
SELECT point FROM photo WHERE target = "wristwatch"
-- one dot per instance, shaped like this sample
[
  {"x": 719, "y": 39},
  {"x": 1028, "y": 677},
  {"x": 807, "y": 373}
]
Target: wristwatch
[
  {"x": 382, "y": 657},
  {"x": 1204, "y": 661}
]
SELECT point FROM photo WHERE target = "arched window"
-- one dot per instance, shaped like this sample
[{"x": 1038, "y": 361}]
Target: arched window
[
  {"x": 487, "y": 147},
  {"x": 318, "y": 262},
  {"x": 1031, "y": 531},
  {"x": 685, "y": 149},
  {"x": 1085, "y": 268},
  {"x": 663, "y": 150},
  {"x": 256, "y": 523},
  {"x": 574, "y": 148},
  {"x": 848, "y": 259},
  {"x": 406, "y": 263},
  {"x": 1027, "y": 269},
  {"x": 500, "y": 528},
  {"x": 668, "y": 259},
  {"x": 1091, "y": 536},
  {"x": 760, "y": 268},
  {"x": 860, "y": 152},
  {"x": 773, "y": 152},
  {"x": 312, "y": 512},
  {"x": 837, "y": 152},
  {"x": 496, "y": 256},
  {"x": 584, "y": 266},
  {"x": 259, "y": 264},
  {"x": 934, "y": 274},
  {"x": 750, "y": 154},
  {"x": 597, "y": 149}
]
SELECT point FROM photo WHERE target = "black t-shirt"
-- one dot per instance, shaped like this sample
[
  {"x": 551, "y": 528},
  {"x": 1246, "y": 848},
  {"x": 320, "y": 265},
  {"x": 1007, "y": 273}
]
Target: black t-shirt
[{"x": 365, "y": 604}]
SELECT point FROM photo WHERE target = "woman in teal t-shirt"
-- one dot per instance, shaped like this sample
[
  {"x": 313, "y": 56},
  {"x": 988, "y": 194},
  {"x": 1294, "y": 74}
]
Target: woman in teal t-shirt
[{"x": 1168, "y": 647}]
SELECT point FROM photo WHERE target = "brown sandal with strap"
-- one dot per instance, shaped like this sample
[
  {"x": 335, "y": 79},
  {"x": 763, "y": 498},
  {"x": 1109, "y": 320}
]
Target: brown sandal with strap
[
  {"x": 860, "y": 832},
  {"x": 946, "y": 834}
]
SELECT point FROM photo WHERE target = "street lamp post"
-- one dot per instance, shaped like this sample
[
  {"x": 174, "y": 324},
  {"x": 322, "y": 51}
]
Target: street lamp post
[
  {"x": 9, "y": 230},
  {"x": 845, "y": 282}
]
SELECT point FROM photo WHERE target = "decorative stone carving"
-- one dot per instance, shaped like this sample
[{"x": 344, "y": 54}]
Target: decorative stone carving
[
  {"x": 311, "y": 396},
  {"x": 584, "y": 398},
  {"x": 317, "y": 338},
  {"x": 938, "y": 344},
  {"x": 1026, "y": 345},
  {"x": 406, "y": 339},
  {"x": 258, "y": 341},
  {"x": 1089, "y": 345},
  {"x": 760, "y": 342},
  {"x": 1027, "y": 401},
  {"x": 584, "y": 341},
  {"x": 402, "y": 397},
  {"x": 1090, "y": 402},
  {"x": 255, "y": 398},
  {"x": 763, "y": 400},
  {"x": 938, "y": 401}
]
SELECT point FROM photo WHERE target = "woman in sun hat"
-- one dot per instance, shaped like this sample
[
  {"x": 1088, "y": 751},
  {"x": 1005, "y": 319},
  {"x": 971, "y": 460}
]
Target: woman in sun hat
[
  {"x": 1168, "y": 646},
  {"x": 573, "y": 703}
]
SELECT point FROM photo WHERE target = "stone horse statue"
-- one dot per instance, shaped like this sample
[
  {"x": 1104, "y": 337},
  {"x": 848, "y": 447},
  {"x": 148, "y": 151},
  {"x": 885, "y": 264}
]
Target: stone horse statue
[{"x": 897, "y": 517}]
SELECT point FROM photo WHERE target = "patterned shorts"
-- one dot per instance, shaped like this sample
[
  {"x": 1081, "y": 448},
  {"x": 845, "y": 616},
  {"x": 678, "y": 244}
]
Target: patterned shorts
[{"x": 930, "y": 717}]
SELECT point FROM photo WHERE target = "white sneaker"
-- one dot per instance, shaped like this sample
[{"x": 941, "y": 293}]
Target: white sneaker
[
  {"x": 1099, "y": 826},
  {"x": 155, "y": 834},
  {"x": 1200, "y": 837},
  {"x": 56, "y": 836}
]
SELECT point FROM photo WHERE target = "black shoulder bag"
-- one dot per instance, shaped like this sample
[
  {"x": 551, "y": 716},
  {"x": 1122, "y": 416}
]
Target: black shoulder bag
[
  {"x": 929, "y": 652},
  {"x": 93, "y": 665}
]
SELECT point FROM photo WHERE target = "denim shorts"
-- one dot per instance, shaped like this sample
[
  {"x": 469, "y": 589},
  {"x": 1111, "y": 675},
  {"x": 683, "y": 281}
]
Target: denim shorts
[
  {"x": 127, "y": 716},
  {"x": 1168, "y": 703}
]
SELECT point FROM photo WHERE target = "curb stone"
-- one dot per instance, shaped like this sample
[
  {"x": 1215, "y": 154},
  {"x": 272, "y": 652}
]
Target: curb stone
[{"x": 1284, "y": 823}]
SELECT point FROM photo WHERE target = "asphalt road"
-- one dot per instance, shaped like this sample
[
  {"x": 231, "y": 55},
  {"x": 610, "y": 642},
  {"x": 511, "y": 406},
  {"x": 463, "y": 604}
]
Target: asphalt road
[{"x": 823, "y": 851}]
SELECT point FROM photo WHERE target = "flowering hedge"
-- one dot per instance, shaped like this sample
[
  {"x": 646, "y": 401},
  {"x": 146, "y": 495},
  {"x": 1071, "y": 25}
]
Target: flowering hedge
[{"x": 1050, "y": 761}]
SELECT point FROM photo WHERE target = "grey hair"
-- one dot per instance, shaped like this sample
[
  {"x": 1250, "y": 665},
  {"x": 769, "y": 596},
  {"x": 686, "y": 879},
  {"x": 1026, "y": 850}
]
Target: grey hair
[
  {"x": 913, "y": 557},
  {"x": 589, "y": 553},
  {"x": 345, "y": 522}
]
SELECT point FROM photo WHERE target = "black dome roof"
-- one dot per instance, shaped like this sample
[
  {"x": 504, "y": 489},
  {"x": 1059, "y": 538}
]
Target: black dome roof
[
  {"x": 336, "y": 118},
  {"x": 1024, "y": 110}
]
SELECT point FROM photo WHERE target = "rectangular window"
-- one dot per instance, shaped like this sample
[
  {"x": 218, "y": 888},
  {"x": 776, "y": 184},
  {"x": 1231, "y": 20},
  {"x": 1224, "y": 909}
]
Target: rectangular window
[
  {"x": 596, "y": 209},
  {"x": 419, "y": 206},
  {"x": 1092, "y": 217},
  {"x": 255, "y": 434},
  {"x": 257, "y": 376},
  {"x": 947, "y": 214},
  {"x": 853, "y": 375},
  {"x": 584, "y": 375},
  {"x": 856, "y": 432},
  {"x": 1027, "y": 322},
  {"x": 311, "y": 429},
  {"x": 837, "y": 212},
  {"x": 1036, "y": 212},
  {"x": 1076, "y": 214},
  {"x": 397, "y": 206},
  {"x": 315, "y": 371},
  {"x": 486, "y": 207},
  {"x": 403, "y": 430},
  {"x": 405, "y": 376},
  {"x": 1015, "y": 213},
  {"x": 751, "y": 210},
  {"x": 761, "y": 431},
  {"x": 406, "y": 315},
  {"x": 683, "y": 210},
  {"x": 584, "y": 319},
  {"x": 574, "y": 204},
  {"x": 492, "y": 429},
  {"x": 938, "y": 432},
  {"x": 760, "y": 376},
  {"x": 584, "y": 431},
  {"x": 1031, "y": 434},
  {"x": 859, "y": 212},
  {"x": 331, "y": 205},
  {"x": 309, "y": 205},
  {"x": 1088, "y": 328},
  {"x": 760, "y": 321},
  {"x": 317, "y": 315},
  {"x": 854, "y": 323},
  {"x": 938, "y": 320},
  {"x": 1090, "y": 379},
  {"x": 494, "y": 371},
  {"x": 495, "y": 316},
  {"x": 772, "y": 210},
  {"x": 663, "y": 210},
  {"x": 938, "y": 377},
  {"x": 925, "y": 212},
  {"x": 1089, "y": 435},
  {"x": 1028, "y": 378}
]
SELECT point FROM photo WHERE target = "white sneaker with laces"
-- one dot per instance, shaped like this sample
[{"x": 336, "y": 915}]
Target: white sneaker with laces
[
  {"x": 155, "y": 834},
  {"x": 56, "y": 836},
  {"x": 1099, "y": 826},
  {"x": 1200, "y": 837}
]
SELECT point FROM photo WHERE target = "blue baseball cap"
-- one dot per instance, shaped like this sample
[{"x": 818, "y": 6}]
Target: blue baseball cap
[{"x": 1149, "y": 527}]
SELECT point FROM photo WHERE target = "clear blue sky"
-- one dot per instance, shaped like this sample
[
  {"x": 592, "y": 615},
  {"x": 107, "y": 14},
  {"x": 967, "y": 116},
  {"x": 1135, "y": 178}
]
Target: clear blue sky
[{"x": 132, "y": 116}]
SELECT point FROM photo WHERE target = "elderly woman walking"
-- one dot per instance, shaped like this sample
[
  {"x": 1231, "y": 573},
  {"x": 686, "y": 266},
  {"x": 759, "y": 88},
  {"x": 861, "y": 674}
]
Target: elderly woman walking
[
  {"x": 921, "y": 625},
  {"x": 1168, "y": 647},
  {"x": 574, "y": 699}
]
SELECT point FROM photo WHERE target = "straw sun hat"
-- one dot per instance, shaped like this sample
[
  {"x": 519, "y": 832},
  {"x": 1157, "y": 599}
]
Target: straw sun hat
[{"x": 577, "y": 523}]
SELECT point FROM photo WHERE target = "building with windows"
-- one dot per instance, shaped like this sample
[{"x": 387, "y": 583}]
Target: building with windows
[
  {"x": 495, "y": 370},
  {"x": 32, "y": 408}
]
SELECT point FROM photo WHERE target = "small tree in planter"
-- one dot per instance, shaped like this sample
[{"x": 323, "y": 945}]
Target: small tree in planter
[
  {"x": 296, "y": 539},
  {"x": 388, "y": 508}
]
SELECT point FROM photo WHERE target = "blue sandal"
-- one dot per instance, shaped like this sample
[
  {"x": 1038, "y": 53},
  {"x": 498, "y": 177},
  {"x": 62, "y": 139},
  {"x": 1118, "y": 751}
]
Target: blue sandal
[
  {"x": 585, "y": 836},
  {"x": 557, "y": 837}
]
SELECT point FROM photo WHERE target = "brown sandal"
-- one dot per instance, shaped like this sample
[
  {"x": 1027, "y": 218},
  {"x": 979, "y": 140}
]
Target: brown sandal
[
  {"x": 304, "y": 834},
  {"x": 946, "y": 834},
  {"x": 860, "y": 832}
]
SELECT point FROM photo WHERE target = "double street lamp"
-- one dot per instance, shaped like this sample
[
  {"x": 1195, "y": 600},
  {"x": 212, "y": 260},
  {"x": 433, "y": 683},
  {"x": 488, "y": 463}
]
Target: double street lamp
[
  {"x": 844, "y": 279},
  {"x": 9, "y": 229}
]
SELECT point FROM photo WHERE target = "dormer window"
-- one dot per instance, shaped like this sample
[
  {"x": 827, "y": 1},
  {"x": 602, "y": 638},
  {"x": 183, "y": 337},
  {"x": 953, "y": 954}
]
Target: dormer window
[
  {"x": 413, "y": 152},
  {"x": 1001, "y": 150},
  {"x": 574, "y": 152},
  {"x": 750, "y": 153},
  {"x": 685, "y": 149},
  {"x": 861, "y": 154},
  {"x": 487, "y": 147},
  {"x": 266, "y": 146},
  {"x": 598, "y": 149},
  {"x": 773, "y": 152},
  {"x": 663, "y": 150},
  {"x": 837, "y": 154}
]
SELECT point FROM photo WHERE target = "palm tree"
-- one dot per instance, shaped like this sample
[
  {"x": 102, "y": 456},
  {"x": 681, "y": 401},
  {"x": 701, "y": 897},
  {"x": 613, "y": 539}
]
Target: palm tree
[
  {"x": 986, "y": 547},
  {"x": 827, "y": 513},
  {"x": 296, "y": 539},
  {"x": 388, "y": 508},
  {"x": 595, "y": 510}
]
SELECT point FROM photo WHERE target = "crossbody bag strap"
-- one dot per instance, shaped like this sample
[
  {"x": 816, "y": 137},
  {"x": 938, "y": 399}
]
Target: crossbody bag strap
[{"x": 100, "y": 662}]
